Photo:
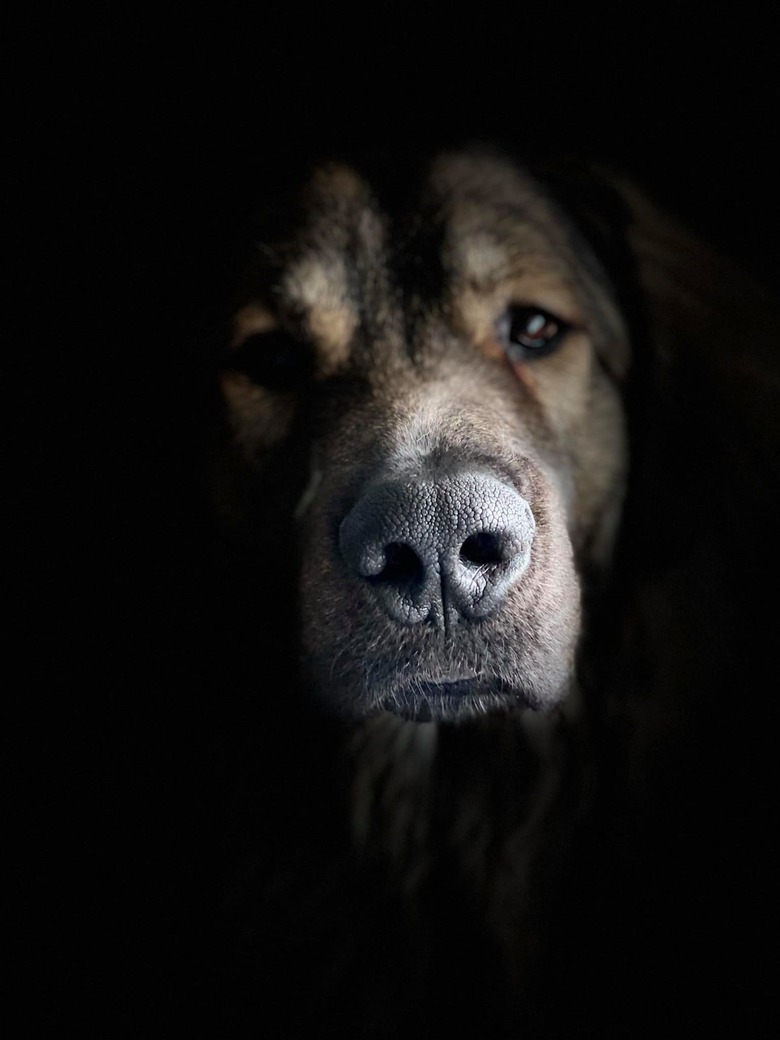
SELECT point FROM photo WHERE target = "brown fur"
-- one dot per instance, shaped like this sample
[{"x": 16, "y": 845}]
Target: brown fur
[{"x": 478, "y": 849}]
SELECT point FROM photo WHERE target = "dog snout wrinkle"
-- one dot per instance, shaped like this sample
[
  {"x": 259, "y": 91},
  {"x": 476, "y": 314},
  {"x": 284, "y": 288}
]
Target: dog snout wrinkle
[{"x": 434, "y": 550}]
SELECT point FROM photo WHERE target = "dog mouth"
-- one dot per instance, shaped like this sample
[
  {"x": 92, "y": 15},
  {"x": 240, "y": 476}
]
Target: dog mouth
[{"x": 450, "y": 699}]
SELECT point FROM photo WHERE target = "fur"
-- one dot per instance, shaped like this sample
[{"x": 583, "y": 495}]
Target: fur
[{"x": 472, "y": 819}]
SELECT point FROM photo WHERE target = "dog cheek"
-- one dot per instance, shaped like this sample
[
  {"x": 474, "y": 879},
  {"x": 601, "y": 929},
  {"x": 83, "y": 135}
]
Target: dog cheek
[
  {"x": 600, "y": 476},
  {"x": 332, "y": 614},
  {"x": 258, "y": 419},
  {"x": 584, "y": 412},
  {"x": 550, "y": 604}
]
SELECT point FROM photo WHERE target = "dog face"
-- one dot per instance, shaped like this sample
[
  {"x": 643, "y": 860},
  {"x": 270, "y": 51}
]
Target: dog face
[{"x": 427, "y": 406}]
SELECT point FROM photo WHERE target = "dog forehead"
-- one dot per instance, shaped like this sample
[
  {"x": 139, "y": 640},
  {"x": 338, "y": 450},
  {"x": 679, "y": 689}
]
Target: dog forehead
[
  {"x": 499, "y": 189},
  {"x": 501, "y": 222},
  {"x": 373, "y": 255},
  {"x": 474, "y": 215}
]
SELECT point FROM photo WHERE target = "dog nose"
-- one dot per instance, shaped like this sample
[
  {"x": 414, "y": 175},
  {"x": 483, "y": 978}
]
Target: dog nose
[{"x": 431, "y": 549}]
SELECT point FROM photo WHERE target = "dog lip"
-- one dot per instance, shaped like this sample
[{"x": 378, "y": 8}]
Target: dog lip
[
  {"x": 443, "y": 697},
  {"x": 453, "y": 698},
  {"x": 446, "y": 686}
]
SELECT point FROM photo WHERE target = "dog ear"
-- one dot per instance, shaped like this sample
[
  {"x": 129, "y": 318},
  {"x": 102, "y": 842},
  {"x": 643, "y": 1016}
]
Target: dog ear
[{"x": 699, "y": 302}]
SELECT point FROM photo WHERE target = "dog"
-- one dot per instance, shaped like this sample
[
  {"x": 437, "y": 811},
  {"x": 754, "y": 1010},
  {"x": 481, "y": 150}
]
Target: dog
[{"x": 468, "y": 476}]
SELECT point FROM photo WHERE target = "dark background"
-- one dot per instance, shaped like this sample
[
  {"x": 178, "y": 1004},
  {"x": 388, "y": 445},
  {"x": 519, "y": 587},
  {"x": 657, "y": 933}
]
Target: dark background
[{"x": 150, "y": 140}]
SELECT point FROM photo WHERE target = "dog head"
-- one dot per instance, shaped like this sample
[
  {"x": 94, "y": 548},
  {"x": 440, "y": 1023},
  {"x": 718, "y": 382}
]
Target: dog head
[{"x": 426, "y": 402}]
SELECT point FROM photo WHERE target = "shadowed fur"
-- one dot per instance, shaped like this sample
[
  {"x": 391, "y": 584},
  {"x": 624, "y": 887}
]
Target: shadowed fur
[{"x": 463, "y": 466}]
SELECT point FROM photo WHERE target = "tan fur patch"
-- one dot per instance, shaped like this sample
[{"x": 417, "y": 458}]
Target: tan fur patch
[
  {"x": 249, "y": 320},
  {"x": 317, "y": 286},
  {"x": 257, "y": 418}
]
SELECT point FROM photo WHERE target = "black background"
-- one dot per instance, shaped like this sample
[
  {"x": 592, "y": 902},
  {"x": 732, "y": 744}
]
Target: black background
[{"x": 150, "y": 139}]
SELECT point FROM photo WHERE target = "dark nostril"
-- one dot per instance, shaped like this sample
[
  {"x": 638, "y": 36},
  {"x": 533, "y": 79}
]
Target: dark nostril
[
  {"x": 482, "y": 548},
  {"x": 402, "y": 564}
]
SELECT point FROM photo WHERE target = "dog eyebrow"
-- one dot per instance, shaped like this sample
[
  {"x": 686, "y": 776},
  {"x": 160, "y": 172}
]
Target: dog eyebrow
[
  {"x": 249, "y": 319},
  {"x": 317, "y": 287},
  {"x": 484, "y": 262}
]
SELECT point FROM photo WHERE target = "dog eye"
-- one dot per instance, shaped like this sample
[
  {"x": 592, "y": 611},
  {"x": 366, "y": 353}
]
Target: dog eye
[
  {"x": 274, "y": 360},
  {"x": 530, "y": 332}
]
